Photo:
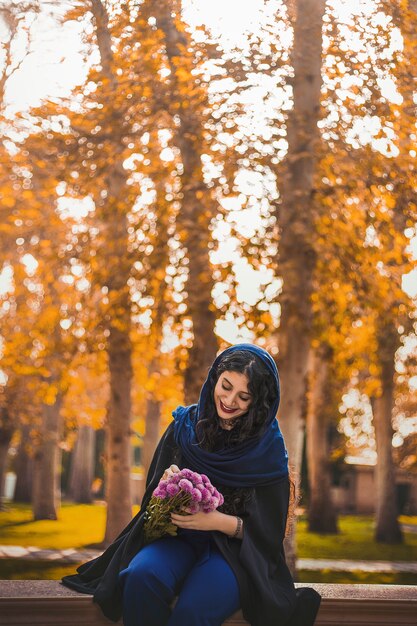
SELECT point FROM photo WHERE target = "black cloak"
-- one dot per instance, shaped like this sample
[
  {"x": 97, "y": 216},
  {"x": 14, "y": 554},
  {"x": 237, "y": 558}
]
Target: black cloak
[{"x": 267, "y": 592}]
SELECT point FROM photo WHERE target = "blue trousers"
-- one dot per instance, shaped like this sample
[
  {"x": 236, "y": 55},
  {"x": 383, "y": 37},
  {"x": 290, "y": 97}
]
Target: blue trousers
[{"x": 188, "y": 566}]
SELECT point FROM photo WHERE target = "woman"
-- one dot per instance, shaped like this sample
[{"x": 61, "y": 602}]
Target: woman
[{"x": 232, "y": 557}]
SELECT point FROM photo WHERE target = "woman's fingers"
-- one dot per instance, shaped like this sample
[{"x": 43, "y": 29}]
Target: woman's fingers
[
  {"x": 177, "y": 518},
  {"x": 170, "y": 471}
]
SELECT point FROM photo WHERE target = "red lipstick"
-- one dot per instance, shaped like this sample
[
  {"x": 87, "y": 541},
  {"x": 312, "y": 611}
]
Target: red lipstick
[{"x": 223, "y": 408}]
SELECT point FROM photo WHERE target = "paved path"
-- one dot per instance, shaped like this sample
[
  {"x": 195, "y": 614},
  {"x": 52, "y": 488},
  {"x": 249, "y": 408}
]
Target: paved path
[
  {"x": 71, "y": 555},
  {"x": 345, "y": 565},
  {"x": 409, "y": 528}
]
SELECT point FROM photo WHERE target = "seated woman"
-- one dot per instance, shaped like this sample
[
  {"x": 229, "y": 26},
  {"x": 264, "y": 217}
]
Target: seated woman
[{"x": 230, "y": 558}]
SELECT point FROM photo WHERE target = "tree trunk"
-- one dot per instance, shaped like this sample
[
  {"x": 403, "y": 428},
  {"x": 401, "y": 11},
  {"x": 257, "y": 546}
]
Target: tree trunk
[
  {"x": 6, "y": 433},
  {"x": 117, "y": 266},
  {"x": 322, "y": 517},
  {"x": 46, "y": 467},
  {"x": 296, "y": 222},
  {"x": 387, "y": 528},
  {"x": 24, "y": 467},
  {"x": 150, "y": 441},
  {"x": 158, "y": 261},
  {"x": 82, "y": 466},
  {"x": 118, "y": 448},
  {"x": 194, "y": 217}
]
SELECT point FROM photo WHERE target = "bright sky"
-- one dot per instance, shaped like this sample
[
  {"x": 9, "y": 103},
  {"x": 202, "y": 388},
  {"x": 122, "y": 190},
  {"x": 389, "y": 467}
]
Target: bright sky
[{"x": 57, "y": 65}]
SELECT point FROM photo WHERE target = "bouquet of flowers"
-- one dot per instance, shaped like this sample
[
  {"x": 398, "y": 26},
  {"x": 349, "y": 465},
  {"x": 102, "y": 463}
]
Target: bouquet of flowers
[{"x": 183, "y": 490}]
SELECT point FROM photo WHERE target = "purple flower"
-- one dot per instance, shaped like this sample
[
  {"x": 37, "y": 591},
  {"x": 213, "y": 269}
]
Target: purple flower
[
  {"x": 205, "y": 479},
  {"x": 186, "y": 485},
  {"x": 205, "y": 495},
  {"x": 196, "y": 478},
  {"x": 216, "y": 494},
  {"x": 160, "y": 491},
  {"x": 196, "y": 495},
  {"x": 186, "y": 473},
  {"x": 172, "y": 489}
]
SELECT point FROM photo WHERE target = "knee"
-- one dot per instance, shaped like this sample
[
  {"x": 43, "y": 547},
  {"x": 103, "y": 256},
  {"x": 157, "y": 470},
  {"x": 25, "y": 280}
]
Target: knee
[
  {"x": 145, "y": 579},
  {"x": 140, "y": 574}
]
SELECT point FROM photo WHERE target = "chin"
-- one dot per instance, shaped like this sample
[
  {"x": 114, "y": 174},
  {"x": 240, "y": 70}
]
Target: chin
[{"x": 226, "y": 416}]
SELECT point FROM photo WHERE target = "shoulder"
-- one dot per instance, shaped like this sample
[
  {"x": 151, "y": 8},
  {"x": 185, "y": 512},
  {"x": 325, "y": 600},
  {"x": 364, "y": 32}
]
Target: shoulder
[
  {"x": 167, "y": 439},
  {"x": 168, "y": 443},
  {"x": 168, "y": 432},
  {"x": 165, "y": 447},
  {"x": 165, "y": 454}
]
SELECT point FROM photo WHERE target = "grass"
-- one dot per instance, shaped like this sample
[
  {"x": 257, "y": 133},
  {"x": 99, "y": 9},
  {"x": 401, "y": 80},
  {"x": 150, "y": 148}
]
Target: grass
[
  {"x": 355, "y": 541},
  {"x": 362, "y": 578},
  {"x": 17, "y": 569},
  {"x": 78, "y": 526},
  {"x": 81, "y": 526}
]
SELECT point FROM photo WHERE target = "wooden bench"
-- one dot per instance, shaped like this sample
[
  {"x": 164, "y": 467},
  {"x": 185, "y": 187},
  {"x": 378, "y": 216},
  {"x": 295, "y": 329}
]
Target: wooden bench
[{"x": 48, "y": 603}]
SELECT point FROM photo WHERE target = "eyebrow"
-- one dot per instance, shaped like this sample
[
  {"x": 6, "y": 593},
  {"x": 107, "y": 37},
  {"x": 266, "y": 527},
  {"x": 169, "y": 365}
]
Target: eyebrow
[{"x": 248, "y": 393}]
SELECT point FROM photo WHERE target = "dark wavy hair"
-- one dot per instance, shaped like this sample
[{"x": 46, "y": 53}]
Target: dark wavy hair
[{"x": 261, "y": 385}]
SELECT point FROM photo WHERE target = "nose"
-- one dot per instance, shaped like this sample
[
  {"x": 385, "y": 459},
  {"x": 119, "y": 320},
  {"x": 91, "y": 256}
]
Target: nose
[{"x": 230, "y": 400}]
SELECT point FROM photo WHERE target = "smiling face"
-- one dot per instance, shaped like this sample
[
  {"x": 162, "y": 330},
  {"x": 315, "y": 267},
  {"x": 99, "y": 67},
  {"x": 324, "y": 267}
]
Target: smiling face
[{"x": 231, "y": 395}]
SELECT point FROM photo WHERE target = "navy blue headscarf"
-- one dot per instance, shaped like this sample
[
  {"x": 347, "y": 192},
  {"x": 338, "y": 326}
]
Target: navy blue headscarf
[{"x": 257, "y": 461}]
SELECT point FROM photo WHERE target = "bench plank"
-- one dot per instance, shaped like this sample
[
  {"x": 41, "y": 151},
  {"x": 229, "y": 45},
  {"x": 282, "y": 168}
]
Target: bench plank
[{"x": 48, "y": 603}]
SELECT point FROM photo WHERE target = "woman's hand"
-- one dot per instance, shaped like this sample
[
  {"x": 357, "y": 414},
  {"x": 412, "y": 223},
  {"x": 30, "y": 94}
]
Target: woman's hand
[
  {"x": 199, "y": 521},
  {"x": 170, "y": 471}
]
